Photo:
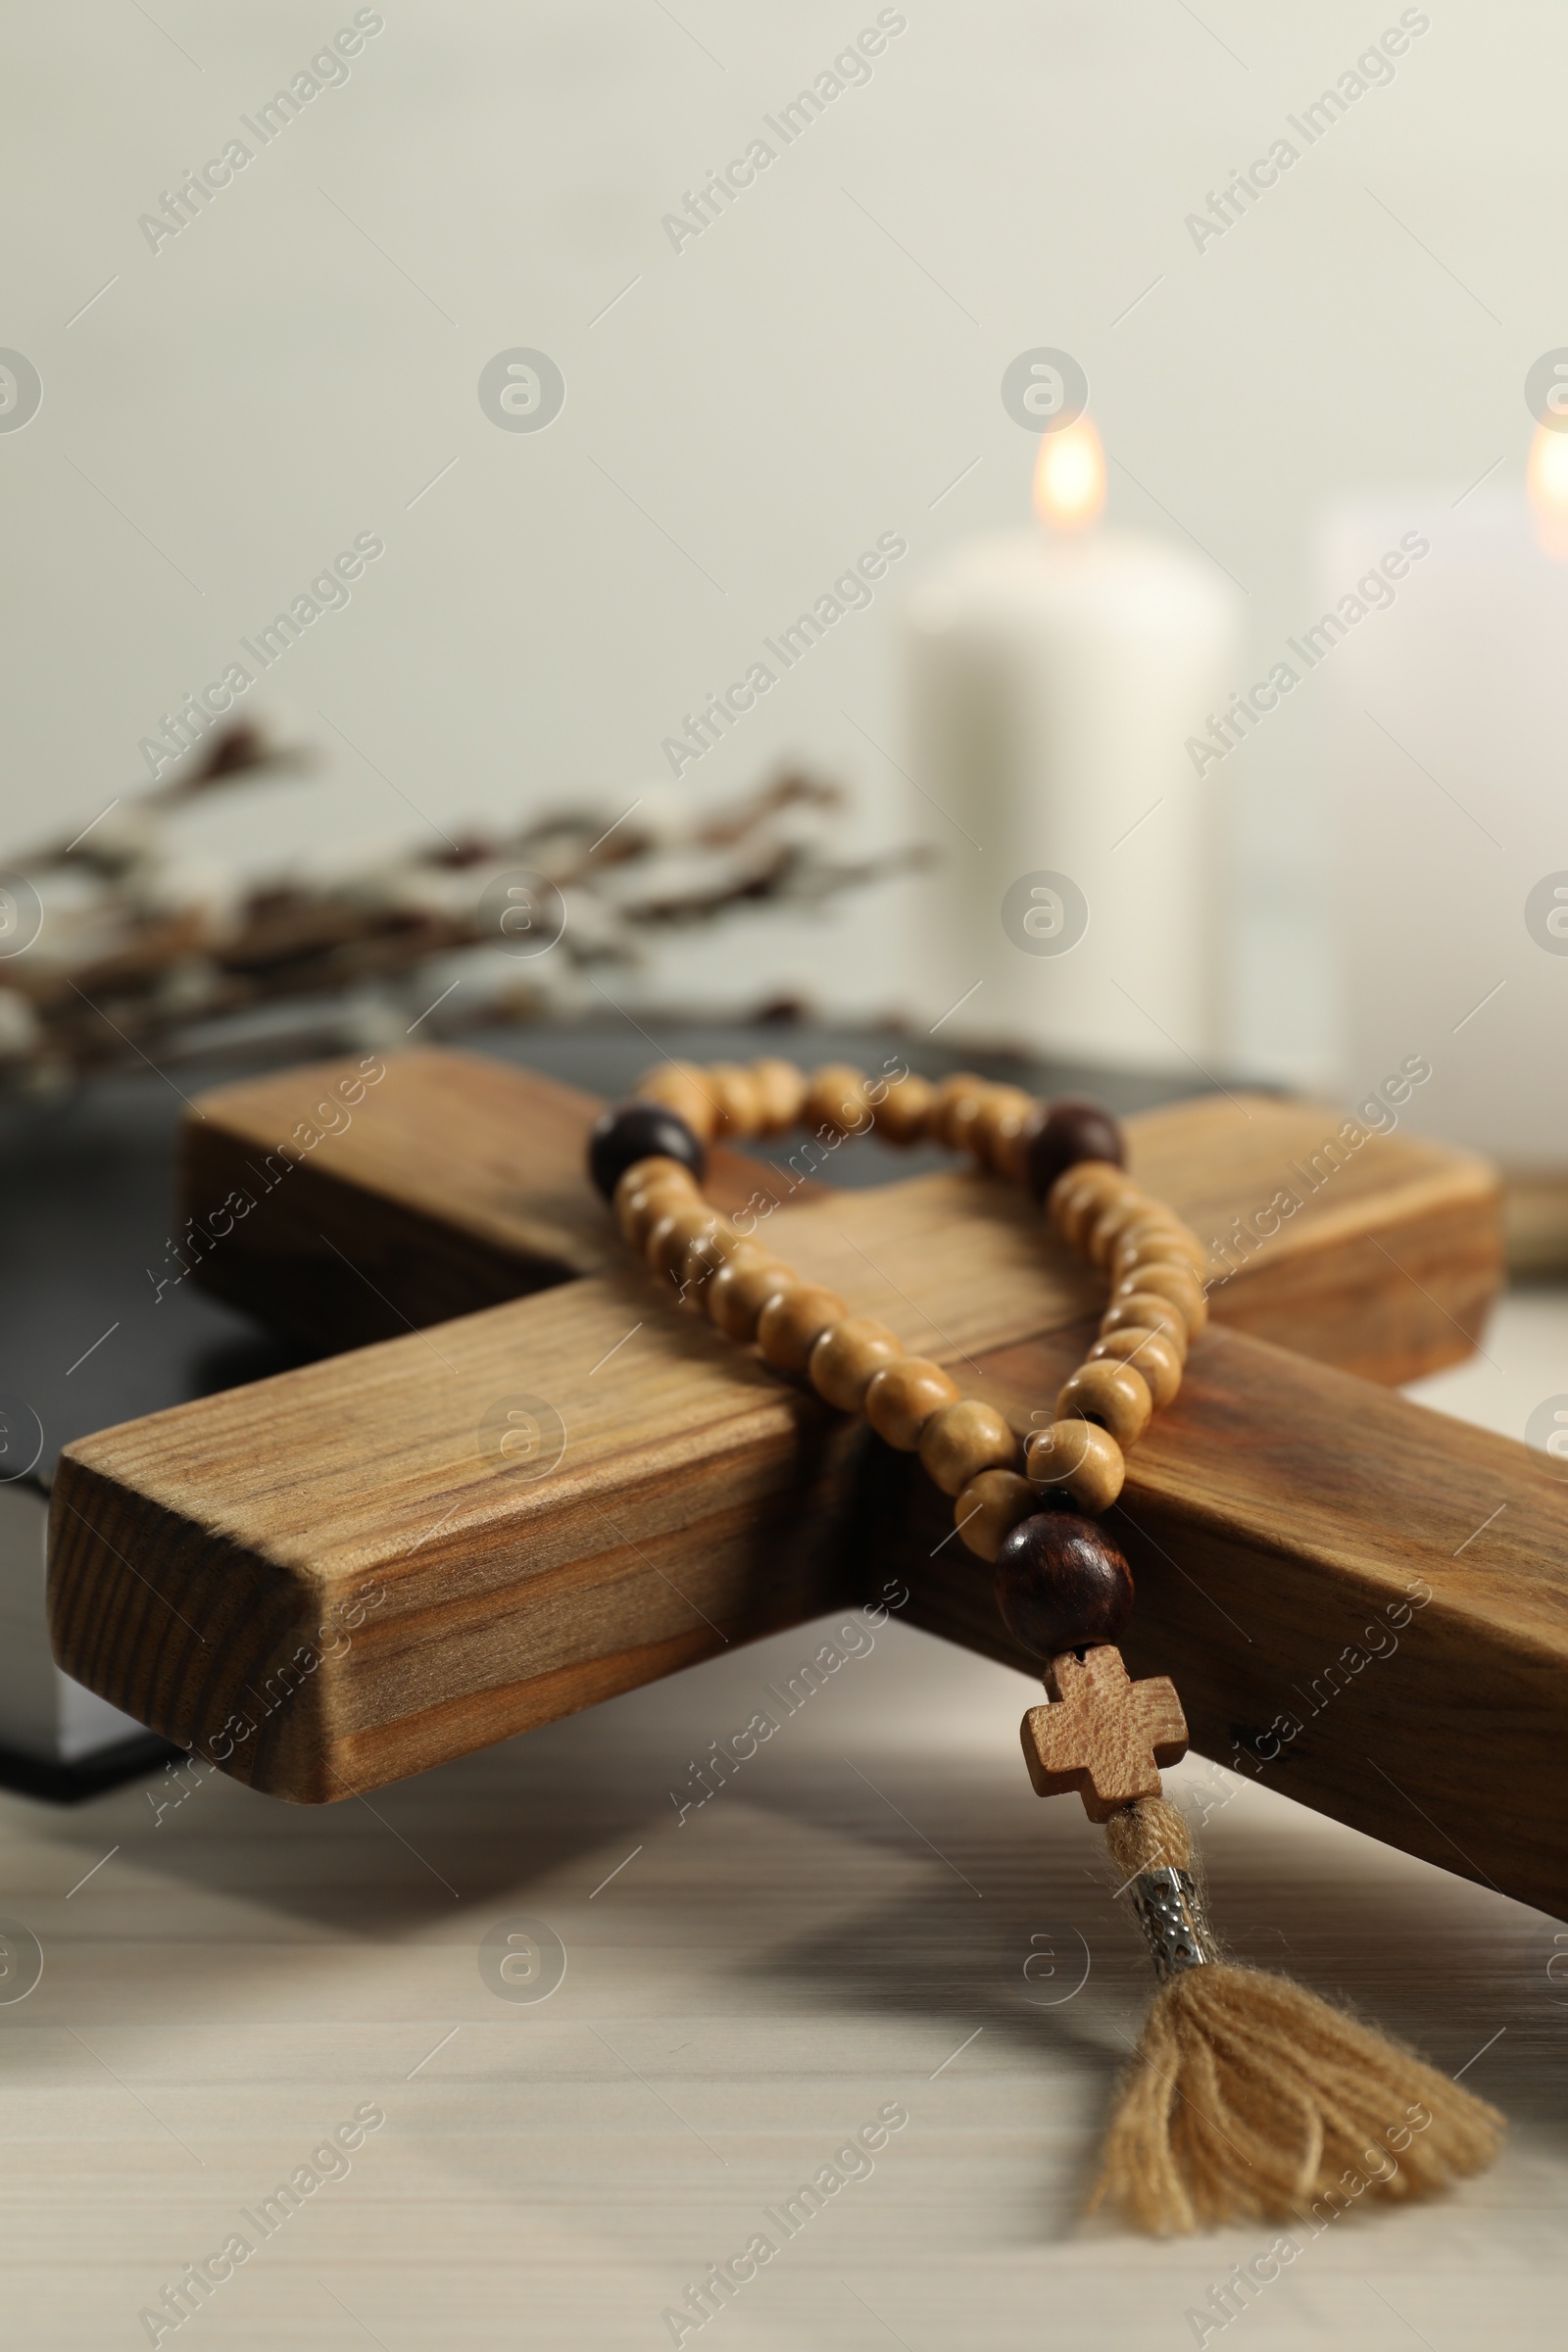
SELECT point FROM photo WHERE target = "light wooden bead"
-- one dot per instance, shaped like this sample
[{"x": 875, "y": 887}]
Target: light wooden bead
[
  {"x": 1149, "y": 1312},
  {"x": 1114, "y": 1394},
  {"x": 1149, "y": 1352},
  {"x": 780, "y": 1093},
  {"x": 836, "y": 1098},
  {"x": 958, "y": 1098},
  {"x": 1155, "y": 1252},
  {"x": 672, "y": 1237},
  {"x": 705, "y": 1255},
  {"x": 902, "y": 1114},
  {"x": 742, "y": 1288},
  {"x": 792, "y": 1321},
  {"x": 652, "y": 1170},
  {"x": 903, "y": 1397},
  {"x": 961, "y": 1440},
  {"x": 645, "y": 1204},
  {"x": 1102, "y": 1233},
  {"x": 847, "y": 1358},
  {"x": 1080, "y": 1195},
  {"x": 1159, "y": 1235},
  {"x": 682, "y": 1087},
  {"x": 1077, "y": 1459},
  {"x": 1160, "y": 1217},
  {"x": 990, "y": 1507},
  {"x": 1167, "y": 1281},
  {"x": 727, "y": 1240},
  {"x": 642, "y": 1176},
  {"x": 961, "y": 1126},
  {"x": 1002, "y": 1131},
  {"x": 1085, "y": 1176},
  {"x": 735, "y": 1092}
]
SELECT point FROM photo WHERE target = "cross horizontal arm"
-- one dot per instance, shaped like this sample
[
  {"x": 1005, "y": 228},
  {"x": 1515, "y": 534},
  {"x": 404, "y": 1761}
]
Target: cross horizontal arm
[
  {"x": 452, "y": 1183},
  {"x": 1361, "y": 1603},
  {"x": 557, "y": 1498}
]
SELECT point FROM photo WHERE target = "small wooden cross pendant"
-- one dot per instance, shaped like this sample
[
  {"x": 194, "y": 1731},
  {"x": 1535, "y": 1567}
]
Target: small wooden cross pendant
[{"x": 1104, "y": 1735}]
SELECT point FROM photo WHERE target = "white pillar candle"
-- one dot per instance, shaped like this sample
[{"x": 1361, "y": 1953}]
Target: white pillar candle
[
  {"x": 1449, "y": 745},
  {"x": 1056, "y": 678}
]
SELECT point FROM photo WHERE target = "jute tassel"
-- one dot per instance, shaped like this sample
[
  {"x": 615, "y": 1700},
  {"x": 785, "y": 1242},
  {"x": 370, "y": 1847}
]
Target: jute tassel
[{"x": 1249, "y": 2096}]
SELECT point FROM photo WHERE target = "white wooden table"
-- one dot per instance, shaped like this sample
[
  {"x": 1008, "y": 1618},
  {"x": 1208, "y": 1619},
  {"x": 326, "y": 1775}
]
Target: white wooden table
[{"x": 844, "y": 1927}]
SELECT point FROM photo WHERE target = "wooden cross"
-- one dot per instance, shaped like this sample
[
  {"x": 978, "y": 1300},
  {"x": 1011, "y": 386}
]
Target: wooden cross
[
  {"x": 1104, "y": 1734},
  {"x": 359, "y": 1569}
]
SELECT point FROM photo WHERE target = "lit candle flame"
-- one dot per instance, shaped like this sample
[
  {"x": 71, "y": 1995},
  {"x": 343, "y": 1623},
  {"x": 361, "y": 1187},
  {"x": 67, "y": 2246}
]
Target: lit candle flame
[
  {"x": 1070, "y": 477},
  {"x": 1547, "y": 480}
]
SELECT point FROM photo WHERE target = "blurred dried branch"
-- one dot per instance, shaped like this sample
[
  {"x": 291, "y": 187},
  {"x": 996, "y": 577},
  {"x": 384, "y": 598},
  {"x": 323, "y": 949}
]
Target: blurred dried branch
[{"x": 143, "y": 955}]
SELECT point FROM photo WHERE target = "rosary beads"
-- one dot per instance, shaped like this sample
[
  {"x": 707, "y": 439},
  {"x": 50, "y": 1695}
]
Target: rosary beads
[
  {"x": 1248, "y": 2094},
  {"x": 1061, "y": 1584}
]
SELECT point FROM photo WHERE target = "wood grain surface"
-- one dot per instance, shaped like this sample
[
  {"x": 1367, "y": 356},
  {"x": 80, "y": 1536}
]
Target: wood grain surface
[
  {"x": 873, "y": 1907},
  {"x": 336, "y": 1574},
  {"x": 445, "y": 1184}
]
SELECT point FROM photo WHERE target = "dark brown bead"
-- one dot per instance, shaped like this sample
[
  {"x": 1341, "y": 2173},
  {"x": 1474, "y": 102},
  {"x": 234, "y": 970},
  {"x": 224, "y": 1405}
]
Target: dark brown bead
[
  {"x": 632, "y": 1131},
  {"x": 1061, "y": 1584},
  {"x": 1070, "y": 1131}
]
